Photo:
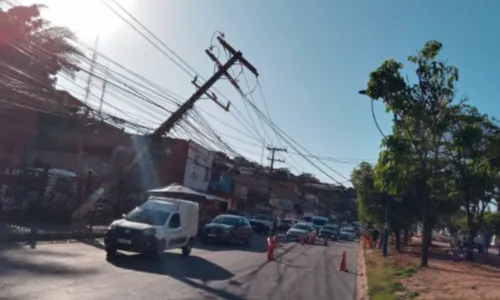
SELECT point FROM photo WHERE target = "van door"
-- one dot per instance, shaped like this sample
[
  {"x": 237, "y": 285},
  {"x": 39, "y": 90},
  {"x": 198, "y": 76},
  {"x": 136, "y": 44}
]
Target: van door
[{"x": 176, "y": 235}]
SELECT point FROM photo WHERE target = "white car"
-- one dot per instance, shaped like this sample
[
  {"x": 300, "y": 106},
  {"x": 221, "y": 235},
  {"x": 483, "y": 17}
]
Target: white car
[{"x": 347, "y": 233}]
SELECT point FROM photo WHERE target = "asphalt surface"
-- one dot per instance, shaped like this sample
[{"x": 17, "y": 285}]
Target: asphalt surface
[{"x": 76, "y": 270}]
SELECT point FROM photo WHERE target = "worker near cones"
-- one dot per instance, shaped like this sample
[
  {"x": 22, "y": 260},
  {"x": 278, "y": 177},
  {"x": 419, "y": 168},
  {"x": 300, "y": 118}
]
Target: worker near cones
[
  {"x": 342, "y": 265},
  {"x": 271, "y": 246}
]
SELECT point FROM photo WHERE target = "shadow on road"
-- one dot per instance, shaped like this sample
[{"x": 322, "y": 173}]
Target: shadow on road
[
  {"x": 33, "y": 263},
  {"x": 173, "y": 265}
]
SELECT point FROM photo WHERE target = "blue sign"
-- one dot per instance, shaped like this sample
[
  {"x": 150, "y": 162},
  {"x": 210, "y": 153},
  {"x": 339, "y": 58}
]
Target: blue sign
[{"x": 221, "y": 184}]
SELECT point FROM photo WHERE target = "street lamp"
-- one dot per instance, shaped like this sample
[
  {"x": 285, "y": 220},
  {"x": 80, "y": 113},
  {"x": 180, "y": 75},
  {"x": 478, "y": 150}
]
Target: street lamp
[{"x": 386, "y": 217}]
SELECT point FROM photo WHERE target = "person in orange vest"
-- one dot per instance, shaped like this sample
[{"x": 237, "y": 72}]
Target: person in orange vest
[{"x": 366, "y": 239}]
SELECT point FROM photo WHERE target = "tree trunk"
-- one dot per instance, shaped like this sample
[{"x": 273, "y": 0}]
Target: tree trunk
[
  {"x": 406, "y": 238},
  {"x": 470, "y": 239},
  {"x": 426, "y": 242},
  {"x": 397, "y": 239}
]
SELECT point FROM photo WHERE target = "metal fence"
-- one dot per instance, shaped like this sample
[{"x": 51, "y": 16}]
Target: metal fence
[{"x": 51, "y": 196}]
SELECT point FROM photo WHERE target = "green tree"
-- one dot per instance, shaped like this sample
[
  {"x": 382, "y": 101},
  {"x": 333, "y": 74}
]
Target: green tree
[
  {"x": 473, "y": 175},
  {"x": 413, "y": 159},
  {"x": 492, "y": 222},
  {"x": 372, "y": 203},
  {"x": 32, "y": 53}
]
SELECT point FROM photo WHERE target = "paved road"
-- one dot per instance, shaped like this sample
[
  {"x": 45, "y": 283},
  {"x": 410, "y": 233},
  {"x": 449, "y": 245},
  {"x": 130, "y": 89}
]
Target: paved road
[{"x": 79, "y": 271}]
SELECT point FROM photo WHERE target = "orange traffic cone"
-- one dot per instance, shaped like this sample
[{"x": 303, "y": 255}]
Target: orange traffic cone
[
  {"x": 342, "y": 265},
  {"x": 270, "y": 249}
]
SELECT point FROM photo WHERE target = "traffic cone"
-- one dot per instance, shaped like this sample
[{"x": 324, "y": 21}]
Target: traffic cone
[
  {"x": 270, "y": 249},
  {"x": 342, "y": 265}
]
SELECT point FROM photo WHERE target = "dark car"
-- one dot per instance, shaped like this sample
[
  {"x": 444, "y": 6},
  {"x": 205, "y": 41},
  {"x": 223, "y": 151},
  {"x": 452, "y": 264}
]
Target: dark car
[
  {"x": 227, "y": 229},
  {"x": 329, "y": 232},
  {"x": 286, "y": 224}
]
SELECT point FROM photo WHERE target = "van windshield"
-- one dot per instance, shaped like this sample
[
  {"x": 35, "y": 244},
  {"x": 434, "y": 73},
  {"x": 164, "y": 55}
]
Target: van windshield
[{"x": 147, "y": 216}]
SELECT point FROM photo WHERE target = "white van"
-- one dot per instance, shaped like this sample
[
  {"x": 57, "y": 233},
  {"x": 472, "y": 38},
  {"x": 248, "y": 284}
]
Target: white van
[{"x": 157, "y": 225}]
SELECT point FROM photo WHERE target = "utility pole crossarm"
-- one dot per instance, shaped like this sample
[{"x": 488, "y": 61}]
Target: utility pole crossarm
[
  {"x": 233, "y": 52},
  {"x": 183, "y": 109},
  {"x": 275, "y": 149},
  {"x": 211, "y": 96}
]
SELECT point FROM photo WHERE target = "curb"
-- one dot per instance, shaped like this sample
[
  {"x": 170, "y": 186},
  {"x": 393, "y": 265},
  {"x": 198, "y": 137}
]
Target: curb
[
  {"x": 12, "y": 238},
  {"x": 362, "y": 278}
]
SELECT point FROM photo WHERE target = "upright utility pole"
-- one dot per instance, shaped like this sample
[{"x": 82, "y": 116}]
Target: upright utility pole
[
  {"x": 88, "y": 87},
  {"x": 156, "y": 137},
  {"x": 103, "y": 92},
  {"x": 273, "y": 160}
]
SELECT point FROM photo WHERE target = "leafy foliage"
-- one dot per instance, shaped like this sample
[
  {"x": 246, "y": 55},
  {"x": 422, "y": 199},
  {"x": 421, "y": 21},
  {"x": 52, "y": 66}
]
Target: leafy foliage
[
  {"x": 32, "y": 53},
  {"x": 442, "y": 154},
  {"x": 372, "y": 201}
]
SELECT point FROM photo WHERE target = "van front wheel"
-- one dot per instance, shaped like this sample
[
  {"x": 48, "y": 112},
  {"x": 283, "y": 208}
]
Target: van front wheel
[
  {"x": 186, "y": 250},
  {"x": 111, "y": 252}
]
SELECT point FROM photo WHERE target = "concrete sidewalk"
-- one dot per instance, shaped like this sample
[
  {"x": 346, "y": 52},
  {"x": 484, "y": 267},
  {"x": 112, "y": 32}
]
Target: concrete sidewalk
[{"x": 44, "y": 232}]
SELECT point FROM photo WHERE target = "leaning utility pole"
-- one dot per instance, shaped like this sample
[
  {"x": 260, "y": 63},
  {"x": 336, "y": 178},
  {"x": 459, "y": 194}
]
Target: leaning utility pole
[
  {"x": 156, "y": 137},
  {"x": 84, "y": 118}
]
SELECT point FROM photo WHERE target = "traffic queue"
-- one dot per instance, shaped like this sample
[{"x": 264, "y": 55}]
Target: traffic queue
[{"x": 163, "y": 223}]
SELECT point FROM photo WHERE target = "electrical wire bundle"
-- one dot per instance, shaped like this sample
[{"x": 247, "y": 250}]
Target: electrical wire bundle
[{"x": 139, "y": 105}]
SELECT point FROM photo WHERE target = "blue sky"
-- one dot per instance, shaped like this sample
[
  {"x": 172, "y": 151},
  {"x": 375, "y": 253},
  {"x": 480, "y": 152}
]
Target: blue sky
[{"x": 313, "y": 57}]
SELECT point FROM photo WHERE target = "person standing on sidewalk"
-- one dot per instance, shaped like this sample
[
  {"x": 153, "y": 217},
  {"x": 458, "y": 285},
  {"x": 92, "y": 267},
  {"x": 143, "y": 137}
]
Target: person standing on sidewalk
[
  {"x": 487, "y": 241},
  {"x": 375, "y": 235}
]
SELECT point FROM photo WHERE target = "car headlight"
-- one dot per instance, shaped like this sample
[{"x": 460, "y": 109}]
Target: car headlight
[
  {"x": 112, "y": 227},
  {"x": 149, "y": 231}
]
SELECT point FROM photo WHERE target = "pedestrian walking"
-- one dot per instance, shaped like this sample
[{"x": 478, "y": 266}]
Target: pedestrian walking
[
  {"x": 487, "y": 241},
  {"x": 375, "y": 235}
]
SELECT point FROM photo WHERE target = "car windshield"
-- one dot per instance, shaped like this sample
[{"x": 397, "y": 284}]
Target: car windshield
[
  {"x": 301, "y": 227},
  {"x": 226, "y": 220},
  {"x": 319, "y": 222},
  {"x": 261, "y": 217},
  {"x": 147, "y": 216},
  {"x": 329, "y": 227}
]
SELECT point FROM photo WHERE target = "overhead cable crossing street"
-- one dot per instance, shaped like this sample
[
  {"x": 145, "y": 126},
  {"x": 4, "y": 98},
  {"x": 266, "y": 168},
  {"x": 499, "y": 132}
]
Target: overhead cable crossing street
[{"x": 154, "y": 140}]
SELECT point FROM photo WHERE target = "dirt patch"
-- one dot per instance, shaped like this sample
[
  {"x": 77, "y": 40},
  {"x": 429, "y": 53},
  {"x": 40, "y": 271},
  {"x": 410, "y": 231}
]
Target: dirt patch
[{"x": 447, "y": 277}]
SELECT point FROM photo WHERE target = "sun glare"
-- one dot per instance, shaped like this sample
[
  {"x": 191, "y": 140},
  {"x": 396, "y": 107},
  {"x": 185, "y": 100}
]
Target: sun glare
[{"x": 87, "y": 18}]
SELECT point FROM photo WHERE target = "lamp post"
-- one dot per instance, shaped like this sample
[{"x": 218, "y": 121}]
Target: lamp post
[{"x": 385, "y": 237}]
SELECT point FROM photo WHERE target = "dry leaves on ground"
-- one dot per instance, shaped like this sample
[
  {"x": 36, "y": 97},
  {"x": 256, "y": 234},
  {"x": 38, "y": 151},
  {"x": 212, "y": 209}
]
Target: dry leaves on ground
[{"x": 450, "y": 277}]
